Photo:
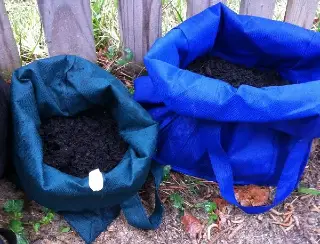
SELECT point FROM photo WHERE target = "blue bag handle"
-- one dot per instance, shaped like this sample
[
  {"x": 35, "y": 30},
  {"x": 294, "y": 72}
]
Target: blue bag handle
[
  {"x": 223, "y": 171},
  {"x": 134, "y": 211}
]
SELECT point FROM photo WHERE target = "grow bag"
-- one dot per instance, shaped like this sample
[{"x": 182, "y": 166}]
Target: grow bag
[
  {"x": 4, "y": 125},
  {"x": 248, "y": 135},
  {"x": 65, "y": 86}
]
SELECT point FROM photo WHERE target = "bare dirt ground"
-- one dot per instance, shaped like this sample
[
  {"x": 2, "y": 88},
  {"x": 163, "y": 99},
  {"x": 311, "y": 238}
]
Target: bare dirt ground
[{"x": 295, "y": 221}]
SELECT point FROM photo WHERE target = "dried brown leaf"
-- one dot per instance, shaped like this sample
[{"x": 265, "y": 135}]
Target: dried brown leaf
[
  {"x": 192, "y": 225},
  {"x": 252, "y": 195},
  {"x": 221, "y": 203}
]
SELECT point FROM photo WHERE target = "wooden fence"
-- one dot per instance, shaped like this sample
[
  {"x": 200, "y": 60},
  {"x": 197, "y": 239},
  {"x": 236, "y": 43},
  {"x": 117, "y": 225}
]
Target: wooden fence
[{"x": 68, "y": 26}]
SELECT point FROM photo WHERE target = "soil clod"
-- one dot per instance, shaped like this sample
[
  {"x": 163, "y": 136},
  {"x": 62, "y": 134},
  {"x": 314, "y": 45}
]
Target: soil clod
[{"x": 77, "y": 145}]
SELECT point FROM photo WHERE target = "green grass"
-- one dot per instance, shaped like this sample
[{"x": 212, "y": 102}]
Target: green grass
[
  {"x": 105, "y": 23},
  {"x": 27, "y": 30}
]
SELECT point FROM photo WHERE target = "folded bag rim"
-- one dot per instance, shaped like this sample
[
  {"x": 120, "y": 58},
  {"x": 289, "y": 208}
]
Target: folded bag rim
[{"x": 173, "y": 84}]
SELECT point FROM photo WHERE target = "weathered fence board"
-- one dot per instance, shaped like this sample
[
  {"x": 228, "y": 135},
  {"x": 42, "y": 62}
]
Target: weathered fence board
[
  {"x": 68, "y": 27},
  {"x": 140, "y": 25},
  {"x": 196, "y": 6},
  {"x": 9, "y": 54},
  {"x": 262, "y": 8},
  {"x": 301, "y": 12}
]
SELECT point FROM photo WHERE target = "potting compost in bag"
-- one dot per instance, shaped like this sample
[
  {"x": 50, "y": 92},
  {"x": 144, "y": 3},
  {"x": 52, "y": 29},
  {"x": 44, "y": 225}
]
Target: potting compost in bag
[
  {"x": 244, "y": 135},
  {"x": 4, "y": 125},
  {"x": 65, "y": 86}
]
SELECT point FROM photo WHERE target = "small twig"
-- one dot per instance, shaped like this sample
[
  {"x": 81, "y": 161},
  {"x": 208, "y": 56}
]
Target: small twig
[
  {"x": 141, "y": 71},
  {"x": 276, "y": 212},
  {"x": 287, "y": 224},
  {"x": 174, "y": 187},
  {"x": 294, "y": 200},
  {"x": 188, "y": 204},
  {"x": 237, "y": 221},
  {"x": 109, "y": 64},
  {"x": 289, "y": 228},
  {"x": 296, "y": 220},
  {"x": 287, "y": 218},
  {"x": 288, "y": 214},
  {"x": 125, "y": 74},
  {"x": 165, "y": 192},
  {"x": 209, "y": 230},
  {"x": 274, "y": 218}
]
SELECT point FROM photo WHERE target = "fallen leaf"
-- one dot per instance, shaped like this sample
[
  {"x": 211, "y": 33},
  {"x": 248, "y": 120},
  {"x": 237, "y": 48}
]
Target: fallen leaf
[
  {"x": 252, "y": 195},
  {"x": 65, "y": 229},
  {"x": 192, "y": 225},
  {"x": 221, "y": 203}
]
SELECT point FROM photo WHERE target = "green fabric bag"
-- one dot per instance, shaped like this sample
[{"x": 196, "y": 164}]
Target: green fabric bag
[{"x": 64, "y": 86}]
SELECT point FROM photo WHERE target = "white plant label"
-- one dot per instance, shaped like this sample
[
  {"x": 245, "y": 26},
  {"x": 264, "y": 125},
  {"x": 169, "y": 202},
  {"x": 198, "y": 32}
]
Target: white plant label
[{"x": 95, "y": 180}]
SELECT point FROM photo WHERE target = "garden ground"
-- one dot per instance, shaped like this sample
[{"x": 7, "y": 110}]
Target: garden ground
[{"x": 297, "y": 220}]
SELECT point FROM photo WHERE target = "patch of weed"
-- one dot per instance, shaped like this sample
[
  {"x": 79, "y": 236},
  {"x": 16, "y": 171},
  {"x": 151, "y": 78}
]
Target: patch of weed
[
  {"x": 177, "y": 202},
  {"x": 14, "y": 208},
  {"x": 210, "y": 208}
]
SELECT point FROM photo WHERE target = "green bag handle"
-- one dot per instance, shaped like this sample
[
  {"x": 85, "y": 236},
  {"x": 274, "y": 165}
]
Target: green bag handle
[{"x": 134, "y": 210}]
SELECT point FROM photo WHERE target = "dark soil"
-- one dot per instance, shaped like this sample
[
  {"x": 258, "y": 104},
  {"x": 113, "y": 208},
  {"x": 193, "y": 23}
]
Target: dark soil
[
  {"x": 80, "y": 144},
  {"x": 235, "y": 75}
]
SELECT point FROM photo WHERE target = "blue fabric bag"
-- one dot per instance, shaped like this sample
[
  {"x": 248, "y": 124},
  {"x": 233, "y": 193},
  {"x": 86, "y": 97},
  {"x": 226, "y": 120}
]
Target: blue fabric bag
[
  {"x": 65, "y": 86},
  {"x": 248, "y": 135}
]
